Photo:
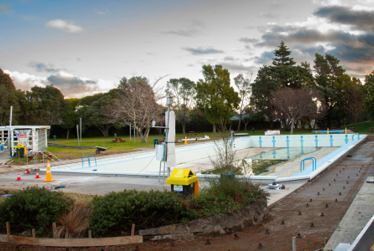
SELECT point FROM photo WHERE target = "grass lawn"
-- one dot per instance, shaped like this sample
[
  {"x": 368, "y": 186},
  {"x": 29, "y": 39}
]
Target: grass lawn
[
  {"x": 128, "y": 146},
  {"x": 362, "y": 127}
]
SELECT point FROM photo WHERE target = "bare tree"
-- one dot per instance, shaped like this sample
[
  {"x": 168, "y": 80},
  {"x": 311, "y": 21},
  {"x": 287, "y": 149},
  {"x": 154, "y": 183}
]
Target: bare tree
[
  {"x": 293, "y": 104},
  {"x": 244, "y": 87},
  {"x": 137, "y": 104}
]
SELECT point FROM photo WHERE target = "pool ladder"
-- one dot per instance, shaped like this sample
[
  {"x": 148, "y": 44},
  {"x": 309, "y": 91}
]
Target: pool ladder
[
  {"x": 88, "y": 160},
  {"x": 314, "y": 164}
]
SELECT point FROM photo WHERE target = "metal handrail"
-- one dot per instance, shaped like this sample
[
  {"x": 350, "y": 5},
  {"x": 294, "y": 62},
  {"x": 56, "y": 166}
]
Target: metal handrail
[
  {"x": 314, "y": 163},
  {"x": 93, "y": 157},
  {"x": 89, "y": 163}
]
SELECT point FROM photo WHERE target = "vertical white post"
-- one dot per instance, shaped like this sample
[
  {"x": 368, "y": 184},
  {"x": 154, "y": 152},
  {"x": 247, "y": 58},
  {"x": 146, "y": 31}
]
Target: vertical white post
[
  {"x": 11, "y": 115},
  {"x": 294, "y": 243},
  {"x": 81, "y": 129},
  {"x": 11, "y": 138},
  {"x": 78, "y": 134},
  {"x": 166, "y": 142}
]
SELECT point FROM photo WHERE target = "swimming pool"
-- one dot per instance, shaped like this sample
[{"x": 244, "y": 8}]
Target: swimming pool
[{"x": 145, "y": 164}]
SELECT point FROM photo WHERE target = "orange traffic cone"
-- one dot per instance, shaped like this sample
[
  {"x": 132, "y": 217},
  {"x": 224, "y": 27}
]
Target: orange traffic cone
[
  {"x": 48, "y": 174},
  {"x": 18, "y": 178},
  {"x": 37, "y": 176},
  {"x": 27, "y": 171},
  {"x": 185, "y": 140}
]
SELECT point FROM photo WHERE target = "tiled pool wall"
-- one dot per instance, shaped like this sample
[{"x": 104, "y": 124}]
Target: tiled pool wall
[
  {"x": 146, "y": 163},
  {"x": 303, "y": 140}
]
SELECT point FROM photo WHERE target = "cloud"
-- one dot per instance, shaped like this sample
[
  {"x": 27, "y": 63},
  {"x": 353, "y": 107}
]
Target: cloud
[
  {"x": 41, "y": 67},
  {"x": 248, "y": 40},
  {"x": 266, "y": 15},
  {"x": 70, "y": 85},
  {"x": 25, "y": 81},
  {"x": 100, "y": 12},
  {"x": 193, "y": 27},
  {"x": 202, "y": 50},
  {"x": 359, "y": 19},
  {"x": 265, "y": 58},
  {"x": 4, "y": 9},
  {"x": 64, "y": 25},
  {"x": 184, "y": 33}
]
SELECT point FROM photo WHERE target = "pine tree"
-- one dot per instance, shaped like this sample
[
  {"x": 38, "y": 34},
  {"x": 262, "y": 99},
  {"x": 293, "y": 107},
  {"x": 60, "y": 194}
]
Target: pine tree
[{"x": 281, "y": 56}]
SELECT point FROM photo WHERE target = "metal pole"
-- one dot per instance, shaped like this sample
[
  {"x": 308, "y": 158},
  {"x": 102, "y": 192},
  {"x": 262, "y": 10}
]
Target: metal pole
[
  {"x": 81, "y": 129},
  {"x": 78, "y": 134},
  {"x": 293, "y": 243},
  {"x": 130, "y": 132},
  {"x": 134, "y": 135},
  {"x": 11, "y": 131},
  {"x": 11, "y": 115},
  {"x": 166, "y": 143}
]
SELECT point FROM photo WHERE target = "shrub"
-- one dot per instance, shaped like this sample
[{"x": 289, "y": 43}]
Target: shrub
[
  {"x": 114, "y": 213},
  {"x": 33, "y": 208},
  {"x": 74, "y": 222},
  {"x": 226, "y": 195}
]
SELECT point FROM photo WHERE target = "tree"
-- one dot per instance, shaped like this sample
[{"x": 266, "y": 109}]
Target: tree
[
  {"x": 183, "y": 91},
  {"x": 215, "y": 96},
  {"x": 244, "y": 87},
  {"x": 48, "y": 106},
  {"x": 282, "y": 74},
  {"x": 282, "y": 56},
  {"x": 136, "y": 105},
  {"x": 369, "y": 91},
  {"x": 69, "y": 118},
  {"x": 291, "y": 105},
  {"x": 8, "y": 98},
  {"x": 327, "y": 71},
  {"x": 248, "y": 114},
  {"x": 97, "y": 113}
]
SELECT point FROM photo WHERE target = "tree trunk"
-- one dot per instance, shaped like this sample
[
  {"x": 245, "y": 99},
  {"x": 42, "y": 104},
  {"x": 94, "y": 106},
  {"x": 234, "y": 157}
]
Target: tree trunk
[
  {"x": 240, "y": 121},
  {"x": 144, "y": 136},
  {"x": 184, "y": 127},
  {"x": 214, "y": 128},
  {"x": 67, "y": 136},
  {"x": 105, "y": 130},
  {"x": 292, "y": 125},
  {"x": 245, "y": 127}
]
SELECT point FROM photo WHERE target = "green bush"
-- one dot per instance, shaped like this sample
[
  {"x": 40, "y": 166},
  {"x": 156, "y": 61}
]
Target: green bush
[
  {"x": 226, "y": 195},
  {"x": 115, "y": 212},
  {"x": 33, "y": 208}
]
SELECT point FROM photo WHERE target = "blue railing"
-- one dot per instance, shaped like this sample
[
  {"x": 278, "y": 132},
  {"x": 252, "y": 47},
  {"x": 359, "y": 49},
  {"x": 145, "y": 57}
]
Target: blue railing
[
  {"x": 88, "y": 160},
  {"x": 92, "y": 157},
  {"x": 314, "y": 164}
]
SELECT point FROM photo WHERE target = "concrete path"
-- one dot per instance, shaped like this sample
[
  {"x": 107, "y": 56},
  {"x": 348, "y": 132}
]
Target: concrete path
[{"x": 358, "y": 214}]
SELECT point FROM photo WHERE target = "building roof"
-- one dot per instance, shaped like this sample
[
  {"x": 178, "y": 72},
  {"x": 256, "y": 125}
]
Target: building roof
[
  {"x": 236, "y": 117},
  {"x": 3, "y": 128}
]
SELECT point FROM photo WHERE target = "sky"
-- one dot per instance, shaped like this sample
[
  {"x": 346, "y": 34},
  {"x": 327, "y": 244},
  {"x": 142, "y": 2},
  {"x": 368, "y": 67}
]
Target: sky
[{"x": 84, "y": 47}]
